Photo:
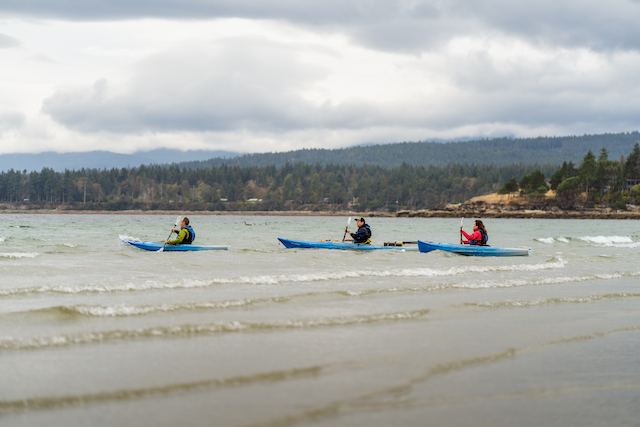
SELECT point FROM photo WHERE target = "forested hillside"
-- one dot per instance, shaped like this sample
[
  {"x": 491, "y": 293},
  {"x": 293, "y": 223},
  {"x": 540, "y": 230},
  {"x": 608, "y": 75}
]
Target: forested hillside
[
  {"x": 498, "y": 152},
  {"x": 293, "y": 186},
  {"x": 314, "y": 186}
]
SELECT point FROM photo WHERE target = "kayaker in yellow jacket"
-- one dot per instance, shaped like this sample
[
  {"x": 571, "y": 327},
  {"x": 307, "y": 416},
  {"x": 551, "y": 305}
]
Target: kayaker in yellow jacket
[{"x": 186, "y": 235}]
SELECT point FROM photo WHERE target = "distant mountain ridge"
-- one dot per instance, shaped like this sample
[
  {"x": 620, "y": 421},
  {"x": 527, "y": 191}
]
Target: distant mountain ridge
[
  {"x": 497, "y": 151},
  {"x": 103, "y": 159}
]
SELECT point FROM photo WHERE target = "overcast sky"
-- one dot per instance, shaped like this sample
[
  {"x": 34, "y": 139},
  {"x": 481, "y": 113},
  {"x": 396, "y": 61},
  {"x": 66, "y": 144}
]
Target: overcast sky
[{"x": 256, "y": 76}]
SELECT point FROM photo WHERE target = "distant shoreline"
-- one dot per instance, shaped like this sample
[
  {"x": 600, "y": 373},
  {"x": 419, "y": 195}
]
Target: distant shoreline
[
  {"x": 521, "y": 214},
  {"x": 182, "y": 212},
  {"x": 423, "y": 213}
]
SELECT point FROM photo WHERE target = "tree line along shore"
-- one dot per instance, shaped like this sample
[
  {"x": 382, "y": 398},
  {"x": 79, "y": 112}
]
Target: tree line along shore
[{"x": 597, "y": 186}]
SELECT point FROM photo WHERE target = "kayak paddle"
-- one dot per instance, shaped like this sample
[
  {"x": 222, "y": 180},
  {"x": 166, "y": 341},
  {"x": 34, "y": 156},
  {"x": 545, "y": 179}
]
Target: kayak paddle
[
  {"x": 400, "y": 243},
  {"x": 461, "y": 219},
  {"x": 176, "y": 224},
  {"x": 345, "y": 229}
]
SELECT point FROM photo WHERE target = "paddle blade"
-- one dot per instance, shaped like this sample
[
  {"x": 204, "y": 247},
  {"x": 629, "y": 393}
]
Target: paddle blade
[
  {"x": 345, "y": 229},
  {"x": 178, "y": 221}
]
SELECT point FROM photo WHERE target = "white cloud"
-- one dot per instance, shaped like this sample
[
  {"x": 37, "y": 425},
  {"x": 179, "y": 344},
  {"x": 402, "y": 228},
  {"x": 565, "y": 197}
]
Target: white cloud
[
  {"x": 7, "y": 42},
  {"x": 11, "y": 120}
]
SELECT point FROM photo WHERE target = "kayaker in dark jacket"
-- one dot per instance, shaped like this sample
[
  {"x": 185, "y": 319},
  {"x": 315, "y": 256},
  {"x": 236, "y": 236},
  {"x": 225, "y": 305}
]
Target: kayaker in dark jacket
[
  {"x": 186, "y": 235},
  {"x": 362, "y": 236},
  {"x": 479, "y": 235}
]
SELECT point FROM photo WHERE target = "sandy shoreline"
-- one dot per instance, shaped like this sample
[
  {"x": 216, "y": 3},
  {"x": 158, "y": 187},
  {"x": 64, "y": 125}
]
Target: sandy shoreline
[
  {"x": 179, "y": 212},
  {"x": 521, "y": 214},
  {"x": 538, "y": 214}
]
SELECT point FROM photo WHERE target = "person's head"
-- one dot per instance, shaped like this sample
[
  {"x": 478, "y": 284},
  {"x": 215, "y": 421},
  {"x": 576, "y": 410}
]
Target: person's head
[
  {"x": 479, "y": 225},
  {"x": 184, "y": 222},
  {"x": 359, "y": 221}
]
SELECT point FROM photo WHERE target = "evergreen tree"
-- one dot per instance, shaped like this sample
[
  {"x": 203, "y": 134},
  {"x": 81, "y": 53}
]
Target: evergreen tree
[
  {"x": 510, "y": 187},
  {"x": 632, "y": 165},
  {"x": 588, "y": 171}
]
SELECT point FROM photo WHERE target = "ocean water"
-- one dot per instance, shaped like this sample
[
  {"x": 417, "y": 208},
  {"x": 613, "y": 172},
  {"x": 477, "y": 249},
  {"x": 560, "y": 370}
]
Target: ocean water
[{"x": 93, "y": 332}]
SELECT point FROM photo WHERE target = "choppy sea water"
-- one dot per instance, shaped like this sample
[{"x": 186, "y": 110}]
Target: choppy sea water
[{"x": 93, "y": 332}]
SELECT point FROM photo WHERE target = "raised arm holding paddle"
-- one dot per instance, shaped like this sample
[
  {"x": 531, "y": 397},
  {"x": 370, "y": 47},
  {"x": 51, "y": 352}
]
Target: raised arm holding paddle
[{"x": 362, "y": 236}]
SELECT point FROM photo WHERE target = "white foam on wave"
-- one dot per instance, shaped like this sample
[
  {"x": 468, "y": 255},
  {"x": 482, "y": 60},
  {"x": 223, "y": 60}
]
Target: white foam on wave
[
  {"x": 123, "y": 237},
  {"x": 557, "y": 300},
  {"x": 407, "y": 272},
  {"x": 551, "y": 240},
  {"x": 197, "y": 329},
  {"x": 16, "y": 255},
  {"x": 2, "y": 239},
  {"x": 547, "y": 240},
  {"x": 613, "y": 241},
  {"x": 606, "y": 239},
  {"x": 124, "y": 287},
  {"x": 556, "y": 263},
  {"x": 539, "y": 282},
  {"x": 132, "y": 310}
]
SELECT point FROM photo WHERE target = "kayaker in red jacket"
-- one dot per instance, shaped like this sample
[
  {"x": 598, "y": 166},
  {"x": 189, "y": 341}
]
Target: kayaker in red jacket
[{"x": 479, "y": 235}]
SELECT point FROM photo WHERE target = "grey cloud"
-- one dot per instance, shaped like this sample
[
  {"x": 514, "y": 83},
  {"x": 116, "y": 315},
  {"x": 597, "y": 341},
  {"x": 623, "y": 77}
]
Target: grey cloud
[
  {"x": 543, "y": 108},
  {"x": 234, "y": 84},
  {"x": 11, "y": 120},
  {"x": 257, "y": 86},
  {"x": 388, "y": 25},
  {"x": 328, "y": 11},
  {"x": 584, "y": 23},
  {"x": 590, "y": 24},
  {"x": 8, "y": 41},
  {"x": 548, "y": 91}
]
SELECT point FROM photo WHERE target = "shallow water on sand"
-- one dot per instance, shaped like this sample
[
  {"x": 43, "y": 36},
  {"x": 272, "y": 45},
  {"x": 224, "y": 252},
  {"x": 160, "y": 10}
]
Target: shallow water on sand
[{"x": 96, "y": 332}]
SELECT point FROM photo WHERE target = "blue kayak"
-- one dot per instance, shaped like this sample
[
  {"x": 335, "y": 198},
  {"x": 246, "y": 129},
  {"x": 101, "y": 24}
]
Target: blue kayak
[
  {"x": 472, "y": 250},
  {"x": 299, "y": 244},
  {"x": 155, "y": 246}
]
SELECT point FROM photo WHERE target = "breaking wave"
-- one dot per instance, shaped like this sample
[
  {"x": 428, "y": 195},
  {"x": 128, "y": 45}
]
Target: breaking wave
[
  {"x": 501, "y": 284},
  {"x": 33, "y": 343},
  {"x": 554, "y": 263},
  {"x": 611, "y": 241},
  {"x": 17, "y": 255},
  {"x": 126, "y": 394},
  {"x": 559, "y": 300},
  {"x": 545, "y": 281},
  {"x": 124, "y": 310},
  {"x": 551, "y": 240},
  {"x": 547, "y": 240}
]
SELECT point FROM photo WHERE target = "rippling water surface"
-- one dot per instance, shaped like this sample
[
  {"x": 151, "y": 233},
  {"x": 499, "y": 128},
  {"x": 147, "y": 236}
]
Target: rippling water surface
[{"x": 93, "y": 332}]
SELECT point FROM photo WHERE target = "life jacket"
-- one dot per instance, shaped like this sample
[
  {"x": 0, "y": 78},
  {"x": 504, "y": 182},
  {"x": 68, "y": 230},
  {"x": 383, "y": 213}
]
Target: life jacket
[
  {"x": 191, "y": 235},
  {"x": 483, "y": 239},
  {"x": 367, "y": 230}
]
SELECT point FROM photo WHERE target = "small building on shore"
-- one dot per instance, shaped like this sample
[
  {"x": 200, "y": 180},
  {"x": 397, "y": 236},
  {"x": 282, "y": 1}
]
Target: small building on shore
[{"x": 631, "y": 183}]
